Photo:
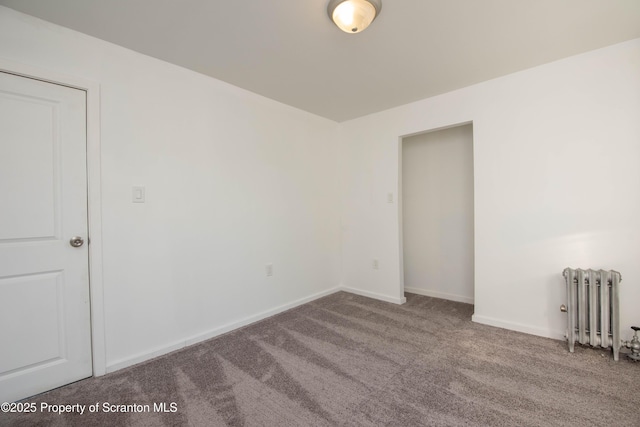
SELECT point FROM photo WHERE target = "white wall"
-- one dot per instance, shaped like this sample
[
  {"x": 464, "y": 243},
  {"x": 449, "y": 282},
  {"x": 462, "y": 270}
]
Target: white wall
[
  {"x": 233, "y": 181},
  {"x": 557, "y": 179},
  {"x": 437, "y": 213}
]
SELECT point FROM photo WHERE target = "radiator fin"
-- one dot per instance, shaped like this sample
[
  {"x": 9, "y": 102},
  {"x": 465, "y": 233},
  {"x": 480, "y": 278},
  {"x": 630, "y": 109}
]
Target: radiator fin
[
  {"x": 572, "y": 310},
  {"x": 593, "y": 304},
  {"x": 605, "y": 295},
  {"x": 615, "y": 314}
]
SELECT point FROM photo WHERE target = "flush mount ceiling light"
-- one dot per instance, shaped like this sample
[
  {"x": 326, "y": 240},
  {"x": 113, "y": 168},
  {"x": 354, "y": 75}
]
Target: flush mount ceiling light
[{"x": 353, "y": 16}]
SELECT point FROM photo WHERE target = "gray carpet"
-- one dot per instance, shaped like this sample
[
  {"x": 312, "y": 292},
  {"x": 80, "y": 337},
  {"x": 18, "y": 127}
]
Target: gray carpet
[{"x": 353, "y": 361}]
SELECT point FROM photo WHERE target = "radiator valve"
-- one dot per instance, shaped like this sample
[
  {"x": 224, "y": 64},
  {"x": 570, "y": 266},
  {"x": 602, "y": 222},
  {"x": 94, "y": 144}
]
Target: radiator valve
[{"x": 634, "y": 345}]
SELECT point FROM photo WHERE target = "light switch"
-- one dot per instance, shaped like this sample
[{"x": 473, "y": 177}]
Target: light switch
[{"x": 138, "y": 194}]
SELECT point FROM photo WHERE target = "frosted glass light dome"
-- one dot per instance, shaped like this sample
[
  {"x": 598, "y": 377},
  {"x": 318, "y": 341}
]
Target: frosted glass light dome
[{"x": 353, "y": 16}]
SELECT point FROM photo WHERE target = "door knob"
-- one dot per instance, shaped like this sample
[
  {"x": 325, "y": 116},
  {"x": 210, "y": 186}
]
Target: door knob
[{"x": 76, "y": 241}]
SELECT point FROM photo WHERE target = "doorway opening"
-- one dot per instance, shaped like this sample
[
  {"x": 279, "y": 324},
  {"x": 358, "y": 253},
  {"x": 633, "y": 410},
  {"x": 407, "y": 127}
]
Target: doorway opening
[{"x": 437, "y": 213}]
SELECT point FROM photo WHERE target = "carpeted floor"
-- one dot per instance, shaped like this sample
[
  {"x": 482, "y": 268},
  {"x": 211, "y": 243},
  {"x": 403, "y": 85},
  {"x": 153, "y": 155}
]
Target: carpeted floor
[{"x": 346, "y": 360}]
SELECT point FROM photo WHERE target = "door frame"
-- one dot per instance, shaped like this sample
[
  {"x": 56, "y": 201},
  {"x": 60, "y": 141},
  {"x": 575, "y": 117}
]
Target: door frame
[
  {"x": 399, "y": 211},
  {"x": 94, "y": 198}
]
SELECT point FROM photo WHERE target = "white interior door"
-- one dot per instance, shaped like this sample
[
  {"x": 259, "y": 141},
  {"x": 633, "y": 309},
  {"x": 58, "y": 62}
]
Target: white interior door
[{"x": 45, "y": 331}]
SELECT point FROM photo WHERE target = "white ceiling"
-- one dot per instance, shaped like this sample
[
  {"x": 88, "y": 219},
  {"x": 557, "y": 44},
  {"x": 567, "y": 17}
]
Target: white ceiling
[{"x": 290, "y": 51}]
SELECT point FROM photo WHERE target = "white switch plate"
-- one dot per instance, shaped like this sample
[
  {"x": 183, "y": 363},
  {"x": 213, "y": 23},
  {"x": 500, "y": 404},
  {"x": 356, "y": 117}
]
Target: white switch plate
[
  {"x": 137, "y": 194},
  {"x": 268, "y": 268},
  {"x": 389, "y": 197},
  {"x": 375, "y": 264}
]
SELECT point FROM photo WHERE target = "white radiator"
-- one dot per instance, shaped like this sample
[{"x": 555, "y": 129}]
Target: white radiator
[{"x": 593, "y": 315}]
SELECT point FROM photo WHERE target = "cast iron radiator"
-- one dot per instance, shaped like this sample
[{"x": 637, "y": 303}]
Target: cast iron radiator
[{"x": 593, "y": 315}]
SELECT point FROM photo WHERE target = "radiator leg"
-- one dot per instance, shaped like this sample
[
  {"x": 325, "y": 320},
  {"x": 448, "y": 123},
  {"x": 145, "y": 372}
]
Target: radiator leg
[{"x": 616, "y": 352}]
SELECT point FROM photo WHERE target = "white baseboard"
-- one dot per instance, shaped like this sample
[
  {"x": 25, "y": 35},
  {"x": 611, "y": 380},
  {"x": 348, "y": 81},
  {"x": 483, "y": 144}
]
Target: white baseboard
[
  {"x": 519, "y": 327},
  {"x": 257, "y": 317},
  {"x": 142, "y": 357},
  {"x": 441, "y": 295},
  {"x": 159, "y": 351},
  {"x": 374, "y": 295}
]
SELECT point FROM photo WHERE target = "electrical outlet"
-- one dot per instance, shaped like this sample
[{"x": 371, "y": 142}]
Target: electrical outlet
[
  {"x": 268, "y": 268},
  {"x": 375, "y": 264}
]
